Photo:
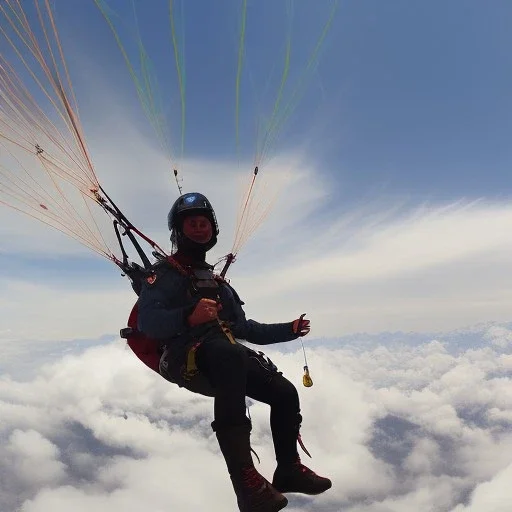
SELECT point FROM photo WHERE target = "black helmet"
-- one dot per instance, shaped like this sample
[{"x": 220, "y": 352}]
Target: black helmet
[{"x": 192, "y": 203}]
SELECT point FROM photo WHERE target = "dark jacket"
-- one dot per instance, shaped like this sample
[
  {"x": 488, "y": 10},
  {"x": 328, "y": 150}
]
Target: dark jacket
[{"x": 169, "y": 296}]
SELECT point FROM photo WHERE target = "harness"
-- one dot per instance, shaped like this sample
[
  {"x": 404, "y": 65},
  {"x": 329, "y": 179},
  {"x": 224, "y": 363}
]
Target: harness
[{"x": 204, "y": 284}]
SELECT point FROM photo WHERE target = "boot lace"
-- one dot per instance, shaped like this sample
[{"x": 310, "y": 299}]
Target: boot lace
[
  {"x": 252, "y": 478},
  {"x": 305, "y": 469}
]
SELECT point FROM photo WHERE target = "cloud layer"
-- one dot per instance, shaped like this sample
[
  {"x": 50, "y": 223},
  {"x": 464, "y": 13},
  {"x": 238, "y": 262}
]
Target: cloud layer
[{"x": 396, "y": 426}]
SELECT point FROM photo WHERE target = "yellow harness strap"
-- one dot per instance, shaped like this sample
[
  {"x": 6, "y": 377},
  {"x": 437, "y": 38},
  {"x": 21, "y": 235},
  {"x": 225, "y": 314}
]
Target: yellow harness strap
[
  {"x": 191, "y": 368},
  {"x": 227, "y": 331}
]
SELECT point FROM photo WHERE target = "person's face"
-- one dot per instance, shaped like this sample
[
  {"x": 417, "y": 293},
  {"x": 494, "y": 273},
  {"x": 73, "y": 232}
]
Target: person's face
[{"x": 198, "y": 228}]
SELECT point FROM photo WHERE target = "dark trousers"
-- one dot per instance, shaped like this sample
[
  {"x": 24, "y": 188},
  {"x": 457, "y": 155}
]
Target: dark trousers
[{"x": 234, "y": 372}]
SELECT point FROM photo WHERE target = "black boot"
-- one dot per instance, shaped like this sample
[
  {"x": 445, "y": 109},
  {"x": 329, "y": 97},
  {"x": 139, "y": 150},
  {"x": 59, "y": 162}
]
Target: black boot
[
  {"x": 291, "y": 475},
  {"x": 295, "y": 477},
  {"x": 254, "y": 493}
]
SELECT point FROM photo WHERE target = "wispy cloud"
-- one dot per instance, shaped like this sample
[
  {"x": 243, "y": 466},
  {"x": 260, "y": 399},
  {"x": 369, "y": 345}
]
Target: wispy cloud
[{"x": 433, "y": 267}]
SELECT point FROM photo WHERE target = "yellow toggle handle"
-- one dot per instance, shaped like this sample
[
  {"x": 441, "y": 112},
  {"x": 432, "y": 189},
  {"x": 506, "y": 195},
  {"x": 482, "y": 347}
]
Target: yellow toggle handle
[{"x": 306, "y": 378}]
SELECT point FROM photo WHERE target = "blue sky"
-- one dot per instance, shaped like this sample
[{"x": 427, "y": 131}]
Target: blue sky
[
  {"x": 418, "y": 93},
  {"x": 410, "y": 96},
  {"x": 426, "y": 97},
  {"x": 403, "y": 124}
]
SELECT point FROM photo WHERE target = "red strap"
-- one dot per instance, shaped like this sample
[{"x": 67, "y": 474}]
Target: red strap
[{"x": 301, "y": 443}]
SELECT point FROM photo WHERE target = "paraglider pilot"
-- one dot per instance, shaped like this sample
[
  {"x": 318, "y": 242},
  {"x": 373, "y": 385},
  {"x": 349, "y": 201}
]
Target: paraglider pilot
[{"x": 196, "y": 317}]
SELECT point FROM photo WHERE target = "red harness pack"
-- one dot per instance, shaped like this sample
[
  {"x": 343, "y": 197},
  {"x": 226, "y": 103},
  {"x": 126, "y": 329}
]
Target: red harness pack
[{"x": 146, "y": 349}]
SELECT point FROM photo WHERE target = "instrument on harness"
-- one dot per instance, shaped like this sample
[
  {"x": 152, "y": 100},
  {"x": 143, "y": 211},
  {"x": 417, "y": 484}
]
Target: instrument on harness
[{"x": 205, "y": 283}]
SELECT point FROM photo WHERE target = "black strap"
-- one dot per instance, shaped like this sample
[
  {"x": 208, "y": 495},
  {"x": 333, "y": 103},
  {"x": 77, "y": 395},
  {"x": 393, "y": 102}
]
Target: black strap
[{"x": 128, "y": 229}]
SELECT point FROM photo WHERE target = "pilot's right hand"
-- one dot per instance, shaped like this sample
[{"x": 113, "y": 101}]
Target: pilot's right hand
[{"x": 205, "y": 311}]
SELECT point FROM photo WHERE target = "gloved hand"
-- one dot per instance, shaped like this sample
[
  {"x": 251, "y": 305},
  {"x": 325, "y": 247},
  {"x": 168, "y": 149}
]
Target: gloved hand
[
  {"x": 205, "y": 311},
  {"x": 301, "y": 326}
]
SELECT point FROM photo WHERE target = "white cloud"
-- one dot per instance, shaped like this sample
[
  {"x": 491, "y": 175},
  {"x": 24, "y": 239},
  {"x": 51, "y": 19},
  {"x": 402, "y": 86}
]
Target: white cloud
[
  {"x": 424, "y": 457},
  {"x": 47, "y": 311},
  {"x": 397, "y": 427},
  {"x": 492, "y": 496},
  {"x": 33, "y": 458},
  {"x": 500, "y": 336}
]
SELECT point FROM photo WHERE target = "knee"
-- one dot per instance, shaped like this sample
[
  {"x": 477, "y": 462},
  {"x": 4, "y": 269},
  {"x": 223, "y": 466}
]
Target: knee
[{"x": 285, "y": 395}]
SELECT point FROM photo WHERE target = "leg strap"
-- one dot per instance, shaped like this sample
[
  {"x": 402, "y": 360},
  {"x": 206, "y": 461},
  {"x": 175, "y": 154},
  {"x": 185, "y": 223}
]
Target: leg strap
[{"x": 190, "y": 369}]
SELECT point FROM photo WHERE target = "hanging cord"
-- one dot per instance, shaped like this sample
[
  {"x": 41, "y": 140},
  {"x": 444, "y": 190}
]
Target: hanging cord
[
  {"x": 306, "y": 378},
  {"x": 307, "y": 381}
]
